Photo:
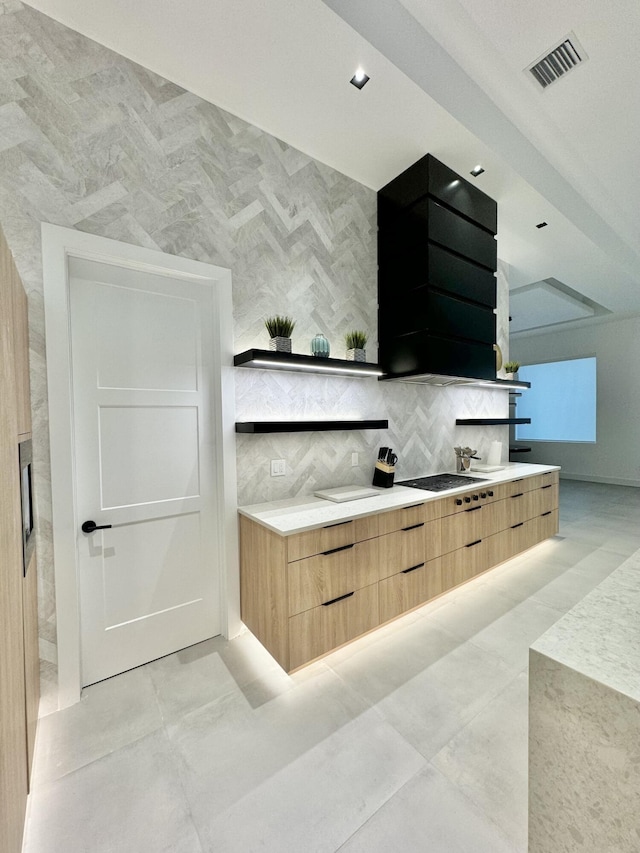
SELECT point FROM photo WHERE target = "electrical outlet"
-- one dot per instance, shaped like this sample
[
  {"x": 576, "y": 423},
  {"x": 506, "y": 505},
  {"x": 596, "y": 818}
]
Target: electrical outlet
[
  {"x": 354, "y": 459},
  {"x": 277, "y": 467}
]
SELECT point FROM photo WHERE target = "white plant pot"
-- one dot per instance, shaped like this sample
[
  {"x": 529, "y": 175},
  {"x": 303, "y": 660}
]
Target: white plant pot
[
  {"x": 280, "y": 344},
  {"x": 356, "y": 355}
]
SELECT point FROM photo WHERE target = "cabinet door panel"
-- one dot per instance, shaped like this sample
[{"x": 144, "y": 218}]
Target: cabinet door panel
[
  {"x": 401, "y": 550},
  {"x": 322, "y": 539},
  {"x": 409, "y": 589},
  {"x": 476, "y": 522},
  {"x": 324, "y": 577},
  {"x": 408, "y": 516},
  {"x": 544, "y": 499},
  {"x": 463, "y": 564},
  {"x": 321, "y": 629}
]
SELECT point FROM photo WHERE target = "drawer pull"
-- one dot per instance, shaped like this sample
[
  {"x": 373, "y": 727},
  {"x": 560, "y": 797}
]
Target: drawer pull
[
  {"x": 547, "y": 513},
  {"x": 473, "y": 509},
  {"x": 513, "y": 526},
  {"x": 547, "y": 487},
  {"x": 519, "y": 480},
  {"x": 339, "y": 598},
  {"x": 413, "y": 506},
  {"x": 412, "y": 569},
  {"x": 335, "y": 550},
  {"x": 337, "y": 524},
  {"x": 519, "y": 495},
  {"x": 413, "y": 526},
  {"x": 471, "y": 544}
]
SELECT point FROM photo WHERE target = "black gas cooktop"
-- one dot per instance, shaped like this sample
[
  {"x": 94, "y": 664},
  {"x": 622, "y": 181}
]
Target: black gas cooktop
[{"x": 441, "y": 482}]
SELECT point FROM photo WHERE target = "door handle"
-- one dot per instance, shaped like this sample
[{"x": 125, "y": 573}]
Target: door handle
[{"x": 90, "y": 526}]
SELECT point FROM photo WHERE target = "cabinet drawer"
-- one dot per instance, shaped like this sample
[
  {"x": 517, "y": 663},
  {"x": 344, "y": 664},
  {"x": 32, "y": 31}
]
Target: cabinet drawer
[
  {"x": 541, "y": 481},
  {"x": 409, "y": 547},
  {"x": 323, "y": 628},
  {"x": 483, "y": 494},
  {"x": 542, "y": 500},
  {"x": 320, "y": 579},
  {"x": 465, "y": 563},
  {"x": 545, "y": 525},
  {"x": 408, "y": 516},
  {"x": 323, "y": 539},
  {"x": 409, "y": 589},
  {"x": 476, "y": 522}
]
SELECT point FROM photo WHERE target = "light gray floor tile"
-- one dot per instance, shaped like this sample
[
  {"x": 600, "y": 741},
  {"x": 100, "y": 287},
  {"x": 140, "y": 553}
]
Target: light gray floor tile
[
  {"x": 433, "y": 815},
  {"x": 379, "y": 669},
  {"x": 228, "y": 748},
  {"x": 321, "y": 798},
  {"x": 435, "y": 705},
  {"x": 487, "y": 761},
  {"x": 110, "y": 715},
  {"x": 510, "y": 636},
  {"x": 196, "y": 676},
  {"x": 127, "y": 802}
]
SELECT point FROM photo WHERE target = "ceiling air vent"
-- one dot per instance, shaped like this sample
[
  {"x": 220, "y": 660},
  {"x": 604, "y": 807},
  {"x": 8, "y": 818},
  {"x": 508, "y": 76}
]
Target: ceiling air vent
[{"x": 564, "y": 57}]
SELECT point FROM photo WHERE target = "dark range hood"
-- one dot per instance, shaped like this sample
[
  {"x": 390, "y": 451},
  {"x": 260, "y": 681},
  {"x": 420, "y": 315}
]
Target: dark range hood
[{"x": 437, "y": 260}]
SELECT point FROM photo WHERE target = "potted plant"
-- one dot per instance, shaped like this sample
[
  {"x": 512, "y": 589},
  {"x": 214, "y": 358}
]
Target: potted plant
[
  {"x": 511, "y": 368},
  {"x": 356, "y": 342},
  {"x": 280, "y": 329}
]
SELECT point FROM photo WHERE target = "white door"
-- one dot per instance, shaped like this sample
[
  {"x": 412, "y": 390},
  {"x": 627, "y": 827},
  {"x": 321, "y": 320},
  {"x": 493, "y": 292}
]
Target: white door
[{"x": 142, "y": 374}]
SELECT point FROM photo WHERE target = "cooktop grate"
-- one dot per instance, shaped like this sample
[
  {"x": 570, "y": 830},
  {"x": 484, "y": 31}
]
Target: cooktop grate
[{"x": 441, "y": 482}]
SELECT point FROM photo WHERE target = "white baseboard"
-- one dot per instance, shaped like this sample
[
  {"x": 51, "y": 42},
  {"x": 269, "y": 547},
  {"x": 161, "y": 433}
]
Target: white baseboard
[{"x": 589, "y": 478}]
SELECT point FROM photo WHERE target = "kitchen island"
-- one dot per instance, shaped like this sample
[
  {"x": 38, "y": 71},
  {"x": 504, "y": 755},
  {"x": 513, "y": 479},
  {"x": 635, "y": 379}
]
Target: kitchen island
[
  {"x": 316, "y": 574},
  {"x": 584, "y": 723}
]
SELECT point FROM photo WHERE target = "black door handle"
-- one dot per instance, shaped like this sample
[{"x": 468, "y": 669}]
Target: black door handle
[{"x": 90, "y": 526}]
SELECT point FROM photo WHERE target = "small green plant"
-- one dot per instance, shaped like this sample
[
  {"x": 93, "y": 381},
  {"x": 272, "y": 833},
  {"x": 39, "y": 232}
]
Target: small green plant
[
  {"x": 279, "y": 327},
  {"x": 512, "y": 366},
  {"x": 356, "y": 340}
]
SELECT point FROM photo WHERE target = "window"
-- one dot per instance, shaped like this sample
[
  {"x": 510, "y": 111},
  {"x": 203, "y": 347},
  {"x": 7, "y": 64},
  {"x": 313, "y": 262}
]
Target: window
[{"x": 561, "y": 401}]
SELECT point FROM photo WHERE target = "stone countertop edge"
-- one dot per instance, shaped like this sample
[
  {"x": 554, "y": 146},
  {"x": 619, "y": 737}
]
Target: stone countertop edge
[
  {"x": 295, "y": 515},
  {"x": 600, "y": 637}
]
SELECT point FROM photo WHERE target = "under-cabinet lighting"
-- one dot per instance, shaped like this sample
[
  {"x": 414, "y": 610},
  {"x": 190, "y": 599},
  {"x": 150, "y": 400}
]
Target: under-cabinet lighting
[{"x": 318, "y": 368}]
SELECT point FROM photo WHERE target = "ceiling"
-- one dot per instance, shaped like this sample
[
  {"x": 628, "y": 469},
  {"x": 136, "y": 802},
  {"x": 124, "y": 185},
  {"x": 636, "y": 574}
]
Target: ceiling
[{"x": 446, "y": 78}]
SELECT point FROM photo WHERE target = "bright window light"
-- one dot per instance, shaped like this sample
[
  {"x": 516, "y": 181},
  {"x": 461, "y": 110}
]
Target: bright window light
[{"x": 561, "y": 401}]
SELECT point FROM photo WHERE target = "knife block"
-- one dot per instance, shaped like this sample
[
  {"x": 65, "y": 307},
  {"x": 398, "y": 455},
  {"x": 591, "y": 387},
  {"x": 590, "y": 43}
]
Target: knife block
[{"x": 383, "y": 475}]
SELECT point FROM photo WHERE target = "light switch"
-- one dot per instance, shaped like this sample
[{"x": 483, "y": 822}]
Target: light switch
[{"x": 278, "y": 468}]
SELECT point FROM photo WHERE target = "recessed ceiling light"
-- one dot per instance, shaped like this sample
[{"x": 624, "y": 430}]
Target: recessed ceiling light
[
  {"x": 477, "y": 170},
  {"x": 359, "y": 79},
  {"x": 541, "y": 225}
]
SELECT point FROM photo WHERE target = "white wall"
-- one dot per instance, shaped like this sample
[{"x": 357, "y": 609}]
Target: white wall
[{"x": 615, "y": 457}]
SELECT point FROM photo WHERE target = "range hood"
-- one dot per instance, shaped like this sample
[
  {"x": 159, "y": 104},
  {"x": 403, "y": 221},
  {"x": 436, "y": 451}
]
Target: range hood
[{"x": 437, "y": 261}]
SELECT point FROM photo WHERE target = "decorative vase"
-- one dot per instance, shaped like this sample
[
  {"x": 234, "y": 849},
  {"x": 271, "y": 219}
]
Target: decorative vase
[
  {"x": 320, "y": 346},
  {"x": 356, "y": 354},
  {"x": 280, "y": 344},
  {"x": 510, "y": 376}
]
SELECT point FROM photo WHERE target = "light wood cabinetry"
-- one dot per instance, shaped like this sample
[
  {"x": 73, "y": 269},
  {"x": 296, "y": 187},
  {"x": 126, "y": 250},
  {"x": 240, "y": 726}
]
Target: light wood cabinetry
[
  {"x": 19, "y": 659},
  {"x": 19, "y": 664},
  {"x": 308, "y": 593}
]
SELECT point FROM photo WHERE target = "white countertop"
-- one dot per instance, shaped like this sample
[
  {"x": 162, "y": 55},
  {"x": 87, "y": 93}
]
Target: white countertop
[
  {"x": 600, "y": 636},
  {"x": 306, "y": 513}
]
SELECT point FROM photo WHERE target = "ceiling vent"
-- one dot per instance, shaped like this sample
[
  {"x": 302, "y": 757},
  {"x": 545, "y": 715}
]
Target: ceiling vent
[{"x": 561, "y": 59}]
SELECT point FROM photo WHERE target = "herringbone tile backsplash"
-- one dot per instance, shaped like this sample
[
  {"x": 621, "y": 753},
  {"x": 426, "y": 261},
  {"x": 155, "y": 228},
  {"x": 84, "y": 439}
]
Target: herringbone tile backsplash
[{"x": 92, "y": 141}]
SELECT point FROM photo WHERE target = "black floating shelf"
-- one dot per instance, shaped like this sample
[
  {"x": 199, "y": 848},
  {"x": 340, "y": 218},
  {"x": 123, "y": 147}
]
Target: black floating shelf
[
  {"x": 514, "y": 449},
  {"x": 264, "y": 359},
  {"x": 261, "y": 427},
  {"x": 491, "y": 421}
]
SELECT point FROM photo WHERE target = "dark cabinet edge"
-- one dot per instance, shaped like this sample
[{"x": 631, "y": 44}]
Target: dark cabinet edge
[
  {"x": 297, "y": 362},
  {"x": 263, "y": 427},
  {"x": 491, "y": 421}
]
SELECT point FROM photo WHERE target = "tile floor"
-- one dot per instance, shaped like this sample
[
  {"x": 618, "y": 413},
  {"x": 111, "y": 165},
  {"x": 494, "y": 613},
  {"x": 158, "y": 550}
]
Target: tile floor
[{"x": 412, "y": 739}]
